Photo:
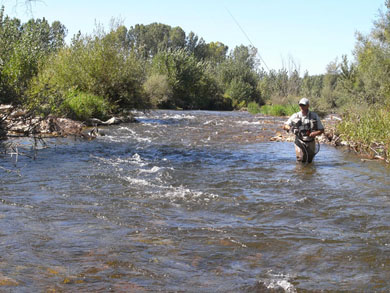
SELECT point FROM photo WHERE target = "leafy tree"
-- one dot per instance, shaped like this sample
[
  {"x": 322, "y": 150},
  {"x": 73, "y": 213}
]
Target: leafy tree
[
  {"x": 196, "y": 46},
  {"x": 239, "y": 78},
  {"x": 148, "y": 40},
  {"x": 294, "y": 84},
  {"x": 312, "y": 86},
  {"x": 95, "y": 65},
  {"x": 158, "y": 89},
  {"x": 215, "y": 52},
  {"x": 22, "y": 48},
  {"x": 190, "y": 81},
  {"x": 373, "y": 58}
]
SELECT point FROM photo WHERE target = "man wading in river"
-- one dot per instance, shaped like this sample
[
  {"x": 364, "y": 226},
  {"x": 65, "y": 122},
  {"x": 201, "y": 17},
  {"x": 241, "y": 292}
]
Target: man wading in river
[{"x": 306, "y": 125}]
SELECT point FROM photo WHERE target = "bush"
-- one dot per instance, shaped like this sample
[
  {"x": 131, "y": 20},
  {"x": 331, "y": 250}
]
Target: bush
[
  {"x": 368, "y": 130},
  {"x": 191, "y": 84},
  {"x": 158, "y": 89},
  {"x": 96, "y": 65},
  {"x": 22, "y": 48},
  {"x": 254, "y": 108},
  {"x": 278, "y": 110},
  {"x": 239, "y": 91},
  {"x": 82, "y": 106},
  {"x": 369, "y": 126}
]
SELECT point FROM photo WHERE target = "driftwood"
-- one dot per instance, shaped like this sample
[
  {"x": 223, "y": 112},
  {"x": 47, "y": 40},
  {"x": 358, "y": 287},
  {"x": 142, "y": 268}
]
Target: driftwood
[{"x": 20, "y": 123}]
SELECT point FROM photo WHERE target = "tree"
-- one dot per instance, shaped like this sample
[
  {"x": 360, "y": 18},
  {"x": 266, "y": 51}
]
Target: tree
[
  {"x": 373, "y": 58},
  {"x": 191, "y": 83},
  {"x": 148, "y": 40},
  {"x": 215, "y": 52},
  {"x": 95, "y": 65},
  {"x": 23, "y": 47},
  {"x": 239, "y": 78}
]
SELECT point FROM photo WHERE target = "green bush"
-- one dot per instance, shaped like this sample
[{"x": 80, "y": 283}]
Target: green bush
[
  {"x": 279, "y": 110},
  {"x": 98, "y": 65},
  {"x": 82, "y": 106},
  {"x": 368, "y": 126},
  {"x": 239, "y": 91},
  {"x": 190, "y": 83},
  {"x": 158, "y": 89},
  {"x": 254, "y": 108},
  {"x": 23, "y": 46}
]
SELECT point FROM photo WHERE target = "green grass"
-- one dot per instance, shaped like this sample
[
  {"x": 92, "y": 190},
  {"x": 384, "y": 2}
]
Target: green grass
[
  {"x": 273, "y": 110},
  {"x": 369, "y": 130}
]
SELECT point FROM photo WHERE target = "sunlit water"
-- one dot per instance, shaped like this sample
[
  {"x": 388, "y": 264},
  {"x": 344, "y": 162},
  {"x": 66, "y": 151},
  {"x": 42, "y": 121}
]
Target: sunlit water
[{"x": 194, "y": 202}]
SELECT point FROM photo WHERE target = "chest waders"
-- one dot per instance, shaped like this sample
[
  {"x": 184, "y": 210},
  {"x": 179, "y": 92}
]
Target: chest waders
[{"x": 307, "y": 145}]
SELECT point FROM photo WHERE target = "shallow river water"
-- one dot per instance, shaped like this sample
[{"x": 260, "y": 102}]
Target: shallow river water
[{"x": 192, "y": 202}]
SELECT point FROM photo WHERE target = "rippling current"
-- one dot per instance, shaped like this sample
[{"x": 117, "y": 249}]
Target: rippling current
[{"x": 192, "y": 202}]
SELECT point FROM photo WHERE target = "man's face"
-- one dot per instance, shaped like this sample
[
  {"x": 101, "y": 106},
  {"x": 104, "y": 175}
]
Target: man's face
[{"x": 304, "y": 108}]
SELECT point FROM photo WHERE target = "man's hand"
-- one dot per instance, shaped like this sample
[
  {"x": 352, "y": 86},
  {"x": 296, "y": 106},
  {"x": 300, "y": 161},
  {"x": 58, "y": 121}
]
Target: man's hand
[
  {"x": 315, "y": 133},
  {"x": 286, "y": 127}
]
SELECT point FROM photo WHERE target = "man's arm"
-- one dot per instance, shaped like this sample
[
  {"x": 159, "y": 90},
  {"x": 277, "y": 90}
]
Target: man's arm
[
  {"x": 288, "y": 123},
  {"x": 319, "y": 126},
  {"x": 316, "y": 133}
]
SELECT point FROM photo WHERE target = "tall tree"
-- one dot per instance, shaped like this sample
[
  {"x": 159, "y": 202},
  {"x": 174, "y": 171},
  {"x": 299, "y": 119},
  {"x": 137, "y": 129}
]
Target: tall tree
[{"x": 373, "y": 58}]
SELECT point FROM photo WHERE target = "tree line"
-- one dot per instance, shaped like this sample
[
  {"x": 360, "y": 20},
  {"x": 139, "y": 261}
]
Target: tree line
[{"x": 159, "y": 66}]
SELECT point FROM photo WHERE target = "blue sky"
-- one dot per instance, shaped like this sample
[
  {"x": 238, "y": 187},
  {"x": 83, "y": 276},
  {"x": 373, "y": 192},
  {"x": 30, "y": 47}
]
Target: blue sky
[{"x": 307, "y": 33}]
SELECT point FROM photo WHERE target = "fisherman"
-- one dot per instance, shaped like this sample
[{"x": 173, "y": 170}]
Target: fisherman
[{"x": 306, "y": 125}]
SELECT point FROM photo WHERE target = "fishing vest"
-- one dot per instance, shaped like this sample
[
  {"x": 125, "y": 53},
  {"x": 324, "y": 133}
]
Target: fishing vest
[{"x": 303, "y": 126}]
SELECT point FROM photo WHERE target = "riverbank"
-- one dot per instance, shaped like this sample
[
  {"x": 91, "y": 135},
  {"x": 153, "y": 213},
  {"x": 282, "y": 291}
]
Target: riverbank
[{"x": 19, "y": 123}]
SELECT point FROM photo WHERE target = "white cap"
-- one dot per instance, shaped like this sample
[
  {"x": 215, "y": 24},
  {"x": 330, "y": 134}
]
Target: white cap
[{"x": 304, "y": 101}]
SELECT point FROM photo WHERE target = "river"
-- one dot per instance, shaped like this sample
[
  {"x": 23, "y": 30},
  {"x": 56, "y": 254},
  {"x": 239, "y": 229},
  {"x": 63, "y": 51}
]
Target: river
[{"x": 192, "y": 201}]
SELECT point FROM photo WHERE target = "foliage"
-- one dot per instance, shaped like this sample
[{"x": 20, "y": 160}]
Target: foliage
[
  {"x": 273, "y": 110},
  {"x": 22, "y": 48},
  {"x": 278, "y": 110},
  {"x": 190, "y": 81},
  {"x": 97, "y": 65},
  {"x": 368, "y": 128},
  {"x": 158, "y": 89},
  {"x": 148, "y": 40},
  {"x": 254, "y": 108},
  {"x": 82, "y": 106},
  {"x": 238, "y": 77}
]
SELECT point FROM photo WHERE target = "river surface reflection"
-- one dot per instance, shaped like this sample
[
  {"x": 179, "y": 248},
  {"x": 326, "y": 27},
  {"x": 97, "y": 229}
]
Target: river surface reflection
[{"x": 195, "y": 202}]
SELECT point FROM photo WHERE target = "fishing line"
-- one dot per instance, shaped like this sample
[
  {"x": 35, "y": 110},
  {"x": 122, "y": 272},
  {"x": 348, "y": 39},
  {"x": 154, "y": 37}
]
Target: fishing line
[{"x": 242, "y": 30}]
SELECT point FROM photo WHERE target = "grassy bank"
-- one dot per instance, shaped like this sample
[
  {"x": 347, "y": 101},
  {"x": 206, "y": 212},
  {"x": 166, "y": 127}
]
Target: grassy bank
[
  {"x": 273, "y": 110},
  {"x": 368, "y": 132}
]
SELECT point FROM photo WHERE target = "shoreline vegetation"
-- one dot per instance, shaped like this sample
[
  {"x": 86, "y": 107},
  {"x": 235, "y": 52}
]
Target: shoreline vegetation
[{"x": 110, "y": 73}]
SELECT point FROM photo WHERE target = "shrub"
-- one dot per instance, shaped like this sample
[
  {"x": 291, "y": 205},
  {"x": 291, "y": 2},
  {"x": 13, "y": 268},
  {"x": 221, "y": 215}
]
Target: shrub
[
  {"x": 82, "y": 106},
  {"x": 97, "y": 65},
  {"x": 191, "y": 84},
  {"x": 278, "y": 110},
  {"x": 158, "y": 89},
  {"x": 254, "y": 108}
]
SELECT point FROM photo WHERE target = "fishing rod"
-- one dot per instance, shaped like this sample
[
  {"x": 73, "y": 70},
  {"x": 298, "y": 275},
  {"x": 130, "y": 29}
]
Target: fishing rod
[{"x": 245, "y": 34}]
